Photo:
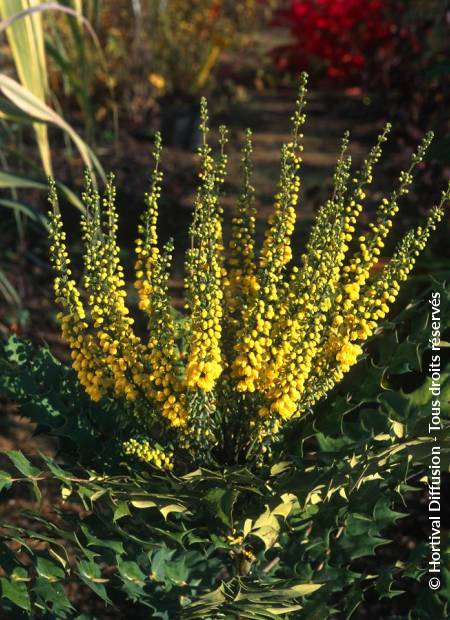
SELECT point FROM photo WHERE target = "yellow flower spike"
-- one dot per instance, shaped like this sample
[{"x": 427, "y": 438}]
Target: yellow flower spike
[
  {"x": 146, "y": 453},
  {"x": 205, "y": 271},
  {"x": 275, "y": 255},
  {"x": 344, "y": 346},
  {"x": 369, "y": 248},
  {"x": 261, "y": 342},
  {"x": 298, "y": 337},
  {"x": 147, "y": 250},
  {"x": 104, "y": 282},
  {"x": 163, "y": 385},
  {"x": 377, "y": 296},
  {"x": 84, "y": 348},
  {"x": 242, "y": 250},
  {"x": 357, "y": 272},
  {"x": 322, "y": 233}
]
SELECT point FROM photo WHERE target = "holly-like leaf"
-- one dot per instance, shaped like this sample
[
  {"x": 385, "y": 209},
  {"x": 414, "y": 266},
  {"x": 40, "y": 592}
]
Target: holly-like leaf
[
  {"x": 15, "y": 591},
  {"x": 90, "y": 574}
]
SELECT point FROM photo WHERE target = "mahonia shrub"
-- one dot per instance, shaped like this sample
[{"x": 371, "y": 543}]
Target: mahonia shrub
[
  {"x": 248, "y": 458},
  {"x": 263, "y": 340},
  {"x": 303, "y": 537}
]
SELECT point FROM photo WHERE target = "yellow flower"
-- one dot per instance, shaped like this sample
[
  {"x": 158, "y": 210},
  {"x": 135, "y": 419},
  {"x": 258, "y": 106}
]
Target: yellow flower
[{"x": 264, "y": 336}]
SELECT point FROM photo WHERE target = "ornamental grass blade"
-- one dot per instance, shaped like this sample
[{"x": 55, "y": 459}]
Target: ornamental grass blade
[
  {"x": 29, "y": 103},
  {"x": 70, "y": 196},
  {"x": 26, "y": 40},
  {"x": 11, "y": 112},
  {"x": 29, "y": 212},
  {"x": 12, "y": 181},
  {"x": 8, "y": 291},
  {"x": 17, "y": 16},
  {"x": 37, "y": 7}
]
